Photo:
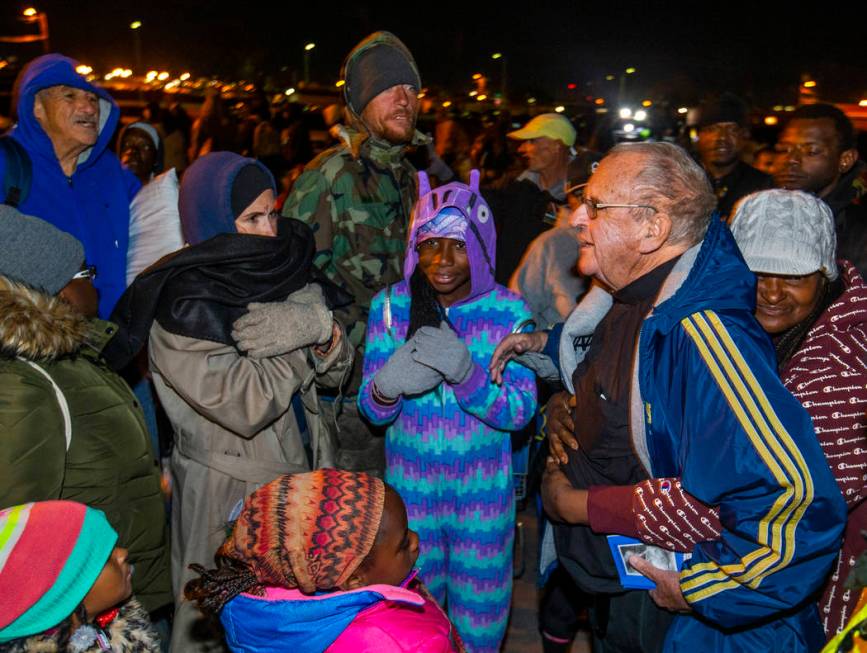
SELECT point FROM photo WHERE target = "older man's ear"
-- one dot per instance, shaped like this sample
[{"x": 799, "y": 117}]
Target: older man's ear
[{"x": 657, "y": 229}]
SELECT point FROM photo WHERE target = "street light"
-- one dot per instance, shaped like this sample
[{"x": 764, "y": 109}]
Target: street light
[
  {"x": 502, "y": 59},
  {"x": 135, "y": 26},
  {"x": 32, "y": 15},
  {"x": 307, "y": 49}
]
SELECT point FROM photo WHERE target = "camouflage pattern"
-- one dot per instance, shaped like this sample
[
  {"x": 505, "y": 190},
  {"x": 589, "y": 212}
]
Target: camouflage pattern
[
  {"x": 359, "y": 208},
  {"x": 358, "y": 196}
]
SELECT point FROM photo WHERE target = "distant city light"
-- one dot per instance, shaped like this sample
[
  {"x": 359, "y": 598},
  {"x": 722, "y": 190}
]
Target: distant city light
[
  {"x": 682, "y": 110},
  {"x": 778, "y": 107},
  {"x": 531, "y": 100},
  {"x": 81, "y": 69},
  {"x": 771, "y": 120},
  {"x": 473, "y": 93},
  {"x": 184, "y": 77},
  {"x": 599, "y": 101},
  {"x": 609, "y": 78},
  {"x": 447, "y": 104},
  {"x": 163, "y": 76},
  {"x": 481, "y": 98},
  {"x": 151, "y": 76},
  {"x": 789, "y": 107},
  {"x": 629, "y": 127},
  {"x": 289, "y": 91},
  {"x": 647, "y": 103},
  {"x": 339, "y": 83},
  {"x": 640, "y": 115},
  {"x": 421, "y": 94},
  {"x": 630, "y": 70},
  {"x": 135, "y": 24},
  {"x": 601, "y": 110},
  {"x": 309, "y": 47},
  {"x": 30, "y": 12},
  {"x": 560, "y": 108},
  {"x": 625, "y": 113},
  {"x": 477, "y": 76},
  {"x": 497, "y": 55},
  {"x": 810, "y": 84},
  {"x": 863, "y": 103},
  {"x": 571, "y": 86}
]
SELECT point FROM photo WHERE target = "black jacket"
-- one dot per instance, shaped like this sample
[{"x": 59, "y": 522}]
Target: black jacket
[{"x": 848, "y": 201}]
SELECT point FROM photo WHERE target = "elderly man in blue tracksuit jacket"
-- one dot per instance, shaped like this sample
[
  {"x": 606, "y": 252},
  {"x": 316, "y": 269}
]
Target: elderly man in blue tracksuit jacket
[
  {"x": 64, "y": 123},
  {"x": 672, "y": 376}
]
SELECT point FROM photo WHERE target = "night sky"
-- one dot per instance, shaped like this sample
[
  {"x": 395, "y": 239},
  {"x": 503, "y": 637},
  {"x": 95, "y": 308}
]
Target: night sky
[{"x": 681, "y": 51}]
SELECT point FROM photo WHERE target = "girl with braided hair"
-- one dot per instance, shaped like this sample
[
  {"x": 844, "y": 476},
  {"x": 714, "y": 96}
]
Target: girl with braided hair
[
  {"x": 448, "y": 445},
  {"x": 323, "y": 561}
]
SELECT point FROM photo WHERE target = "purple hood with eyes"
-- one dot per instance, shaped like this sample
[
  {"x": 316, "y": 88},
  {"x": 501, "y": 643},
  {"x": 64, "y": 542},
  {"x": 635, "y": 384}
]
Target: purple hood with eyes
[{"x": 481, "y": 235}]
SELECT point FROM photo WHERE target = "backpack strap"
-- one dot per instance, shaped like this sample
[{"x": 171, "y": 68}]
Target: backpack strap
[
  {"x": 19, "y": 171},
  {"x": 61, "y": 399}
]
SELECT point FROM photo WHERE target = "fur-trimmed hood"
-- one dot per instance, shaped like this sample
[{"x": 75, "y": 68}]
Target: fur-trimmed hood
[
  {"x": 37, "y": 326},
  {"x": 130, "y": 632}
]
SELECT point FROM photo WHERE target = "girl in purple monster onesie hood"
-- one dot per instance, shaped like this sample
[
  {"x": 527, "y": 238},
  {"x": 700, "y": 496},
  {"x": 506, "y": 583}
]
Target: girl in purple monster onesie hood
[{"x": 448, "y": 448}]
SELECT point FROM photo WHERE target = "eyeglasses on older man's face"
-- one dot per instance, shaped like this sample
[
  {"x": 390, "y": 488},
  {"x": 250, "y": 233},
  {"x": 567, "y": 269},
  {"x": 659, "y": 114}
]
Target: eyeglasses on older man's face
[{"x": 593, "y": 206}]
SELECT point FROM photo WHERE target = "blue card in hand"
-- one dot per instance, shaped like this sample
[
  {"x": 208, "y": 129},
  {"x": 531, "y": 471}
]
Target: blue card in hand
[{"x": 622, "y": 548}]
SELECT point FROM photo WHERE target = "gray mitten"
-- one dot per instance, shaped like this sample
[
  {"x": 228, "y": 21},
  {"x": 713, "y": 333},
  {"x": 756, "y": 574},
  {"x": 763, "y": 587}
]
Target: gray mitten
[
  {"x": 280, "y": 327},
  {"x": 401, "y": 375},
  {"x": 441, "y": 349}
]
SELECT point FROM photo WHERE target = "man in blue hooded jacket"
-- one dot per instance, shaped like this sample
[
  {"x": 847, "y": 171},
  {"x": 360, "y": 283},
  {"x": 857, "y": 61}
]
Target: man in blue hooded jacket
[{"x": 64, "y": 123}]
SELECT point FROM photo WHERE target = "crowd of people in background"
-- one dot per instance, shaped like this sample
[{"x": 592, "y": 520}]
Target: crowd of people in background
[{"x": 261, "y": 391}]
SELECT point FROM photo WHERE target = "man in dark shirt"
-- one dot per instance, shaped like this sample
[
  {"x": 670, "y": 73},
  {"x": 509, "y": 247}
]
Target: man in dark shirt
[
  {"x": 816, "y": 153},
  {"x": 723, "y": 130}
]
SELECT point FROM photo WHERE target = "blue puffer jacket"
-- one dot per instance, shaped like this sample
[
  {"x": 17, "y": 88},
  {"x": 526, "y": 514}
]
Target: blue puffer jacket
[{"x": 92, "y": 204}]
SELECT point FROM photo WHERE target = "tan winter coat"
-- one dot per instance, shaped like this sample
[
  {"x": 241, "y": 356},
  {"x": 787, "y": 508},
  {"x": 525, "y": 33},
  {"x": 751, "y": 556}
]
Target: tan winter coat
[{"x": 235, "y": 429}]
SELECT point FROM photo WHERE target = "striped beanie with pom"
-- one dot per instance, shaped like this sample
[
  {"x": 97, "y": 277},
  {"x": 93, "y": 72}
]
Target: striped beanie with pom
[
  {"x": 308, "y": 531},
  {"x": 51, "y": 554}
]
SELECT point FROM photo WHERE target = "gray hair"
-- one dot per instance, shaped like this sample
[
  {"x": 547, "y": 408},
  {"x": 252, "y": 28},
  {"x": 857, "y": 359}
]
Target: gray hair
[{"x": 674, "y": 183}]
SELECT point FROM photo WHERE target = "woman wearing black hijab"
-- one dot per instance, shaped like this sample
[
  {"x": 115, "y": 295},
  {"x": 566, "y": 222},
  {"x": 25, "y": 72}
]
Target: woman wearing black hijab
[{"x": 240, "y": 335}]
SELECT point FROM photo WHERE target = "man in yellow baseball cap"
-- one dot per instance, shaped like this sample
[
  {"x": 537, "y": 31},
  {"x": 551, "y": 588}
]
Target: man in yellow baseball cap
[{"x": 548, "y": 141}]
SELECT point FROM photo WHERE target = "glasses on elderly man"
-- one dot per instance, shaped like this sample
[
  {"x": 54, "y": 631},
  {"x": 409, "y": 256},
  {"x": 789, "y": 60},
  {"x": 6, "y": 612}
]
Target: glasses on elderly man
[
  {"x": 593, "y": 207},
  {"x": 88, "y": 272}
]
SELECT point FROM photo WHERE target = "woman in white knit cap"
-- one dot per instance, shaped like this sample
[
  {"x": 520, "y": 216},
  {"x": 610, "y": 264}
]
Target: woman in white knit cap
[{"x": 814, "y": 307}]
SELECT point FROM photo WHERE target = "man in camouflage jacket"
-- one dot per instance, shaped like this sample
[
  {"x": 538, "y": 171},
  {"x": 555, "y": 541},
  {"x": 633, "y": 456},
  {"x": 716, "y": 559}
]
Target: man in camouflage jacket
[{"x": 358, "y": 196}]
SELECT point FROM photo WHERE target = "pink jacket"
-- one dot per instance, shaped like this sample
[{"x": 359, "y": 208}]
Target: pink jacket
[
  {"x": 372, "y": 619},
  {"x": 404, "y": 621}
]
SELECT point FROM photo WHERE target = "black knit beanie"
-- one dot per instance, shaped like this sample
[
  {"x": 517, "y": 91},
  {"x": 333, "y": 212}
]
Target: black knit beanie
[
  {"x": 375, "y": 70},
  {"x": 727, "y": 108},
  {"x": 250, "y": 182}
]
